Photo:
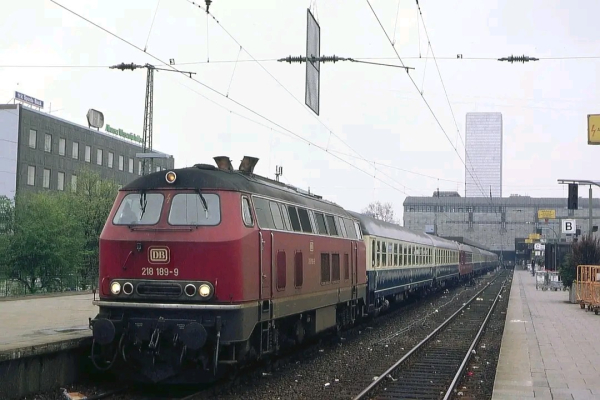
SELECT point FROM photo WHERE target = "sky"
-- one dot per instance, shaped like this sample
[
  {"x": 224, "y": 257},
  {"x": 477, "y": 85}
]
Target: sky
[{"x": 380, "y": 135}]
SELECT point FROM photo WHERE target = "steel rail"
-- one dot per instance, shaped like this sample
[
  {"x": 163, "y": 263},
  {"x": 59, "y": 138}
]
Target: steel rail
[
  {"x": 428, "y": 338},
  {"x": 461, "y": 369}
]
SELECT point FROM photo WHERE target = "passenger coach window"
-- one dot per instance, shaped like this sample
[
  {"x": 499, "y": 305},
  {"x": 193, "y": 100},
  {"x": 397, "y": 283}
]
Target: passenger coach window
[
  {"x": 188, "y": 209},
  {"x": 136, "y": 209}
]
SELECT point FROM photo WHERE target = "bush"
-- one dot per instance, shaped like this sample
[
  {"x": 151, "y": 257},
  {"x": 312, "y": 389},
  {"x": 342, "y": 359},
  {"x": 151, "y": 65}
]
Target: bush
[{"x": 584, "y": 252}]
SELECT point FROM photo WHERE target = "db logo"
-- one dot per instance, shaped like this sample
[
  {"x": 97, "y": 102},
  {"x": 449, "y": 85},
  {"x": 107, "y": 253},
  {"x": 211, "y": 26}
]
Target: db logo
[{"x": 158, "y": 255}]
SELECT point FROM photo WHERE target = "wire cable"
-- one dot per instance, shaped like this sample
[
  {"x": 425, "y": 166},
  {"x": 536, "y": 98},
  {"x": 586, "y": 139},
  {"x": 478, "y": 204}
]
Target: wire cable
[
  {"x": 423, "y": 97},
  {"x": 273, "y": 77},
  {"x": 430, "y": 47},
  {"x": 151, "y": 25},
  {"x": 221, "y": 94}
]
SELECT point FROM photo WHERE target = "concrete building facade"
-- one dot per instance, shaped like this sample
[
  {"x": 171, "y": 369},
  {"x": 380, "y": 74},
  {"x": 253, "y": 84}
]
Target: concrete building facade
[
  {"x": 39, "y": 151},
  {"x": 495, "y": 223},
  {"x": 483, "y": 158}
]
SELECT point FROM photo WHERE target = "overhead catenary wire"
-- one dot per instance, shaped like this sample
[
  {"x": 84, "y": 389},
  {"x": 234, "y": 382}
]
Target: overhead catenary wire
[
  {"x": 229, "y": 98},
  {"x": 430, "y": 47},
  {"x": 423, "y": 97},
  {"x": 151, "y": 25},
  {"x": 289, "y": 92},
  {"x": 272, "y": 76}
]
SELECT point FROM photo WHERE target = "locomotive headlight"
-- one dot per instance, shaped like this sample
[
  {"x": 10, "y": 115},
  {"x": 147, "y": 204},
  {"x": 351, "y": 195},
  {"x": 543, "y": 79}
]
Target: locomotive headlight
[
  {"x": 115, "y": 288},
  {"x": 170, "y": 177},
  {"x": 204, "y": 290}
]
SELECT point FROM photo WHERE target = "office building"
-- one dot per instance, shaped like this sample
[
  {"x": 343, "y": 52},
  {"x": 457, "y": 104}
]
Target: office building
[
  {"x": 39, "y": 151},
  {"x": 498, "y": 223},
  {"x": 483, "y": 158}
]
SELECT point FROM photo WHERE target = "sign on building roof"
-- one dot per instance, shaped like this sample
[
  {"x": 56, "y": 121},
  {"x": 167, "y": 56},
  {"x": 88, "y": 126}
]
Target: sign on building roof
[{"x": 29, "y": 100}]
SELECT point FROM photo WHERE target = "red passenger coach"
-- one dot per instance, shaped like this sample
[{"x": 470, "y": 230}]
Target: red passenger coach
[
  {"x": 465, "y": 257},
  {"x": 202, "y": 267}
]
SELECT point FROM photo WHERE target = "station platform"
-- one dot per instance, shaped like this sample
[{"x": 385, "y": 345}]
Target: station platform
[
  {"x": 44, "y": 324},
  {"x": 550, "y": 347}
]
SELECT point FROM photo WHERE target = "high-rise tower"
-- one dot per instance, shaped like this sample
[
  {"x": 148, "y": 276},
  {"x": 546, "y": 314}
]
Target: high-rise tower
[{"x": 484, "y": 154}]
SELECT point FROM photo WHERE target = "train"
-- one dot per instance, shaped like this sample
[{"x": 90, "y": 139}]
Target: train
[{"x": 208, "y": 267}]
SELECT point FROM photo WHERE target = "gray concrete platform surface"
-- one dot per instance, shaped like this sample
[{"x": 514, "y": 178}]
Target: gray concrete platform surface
[
  {"x": 31, "y": 326},
  {"x": 550, "y": 348}
]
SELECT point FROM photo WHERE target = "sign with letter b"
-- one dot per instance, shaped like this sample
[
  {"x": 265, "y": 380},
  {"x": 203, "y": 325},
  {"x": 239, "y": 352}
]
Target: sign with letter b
[{"x": 568, "y": 226}]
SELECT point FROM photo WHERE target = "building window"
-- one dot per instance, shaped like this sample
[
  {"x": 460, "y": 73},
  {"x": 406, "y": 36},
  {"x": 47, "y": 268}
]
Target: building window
[
  {"x": 46, "y": 182},
  {"x": 30, "y": 175},
  {"x": 88, "y": 154},
  {"x": 73, "y": 183},
  {"x": 139, "y": 168},
  {"x": 131, "y": 165},
  {"x": 99, "y": 156},
  {"x": 61, "y": 181},
  {"x": 120, "y": 163},
  {"x": 48, "y": 143},
  {"x": 157, "y": 169},
  {"x": 75, "y": 153},
  {"x": 32, "y": 138},
  {"x": 62, "y": 145},
  {"x": 111, "y": 157}
]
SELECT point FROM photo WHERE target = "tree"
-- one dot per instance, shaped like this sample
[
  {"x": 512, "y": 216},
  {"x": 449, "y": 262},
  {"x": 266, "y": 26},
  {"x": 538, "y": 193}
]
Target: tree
[
  {"x": 584, "y": 252},
  {"x": 45, "y": 243},
  {"x": 91, "y": 203},
  {"x": 7, "y": 214},
  {"x": 383, "y": 212}
]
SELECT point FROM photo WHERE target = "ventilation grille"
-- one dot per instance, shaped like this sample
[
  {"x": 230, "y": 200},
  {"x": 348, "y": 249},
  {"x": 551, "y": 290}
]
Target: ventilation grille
[{"x": 159, "y": 289}]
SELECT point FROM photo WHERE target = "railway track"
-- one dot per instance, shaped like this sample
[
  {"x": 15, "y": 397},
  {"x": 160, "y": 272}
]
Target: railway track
[{"x": 433, "y": 368}]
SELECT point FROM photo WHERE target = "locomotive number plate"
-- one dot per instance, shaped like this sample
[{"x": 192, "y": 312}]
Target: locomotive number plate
[
  {"x": 158, "y": 271},
  {"x": 158, "y": 255}
]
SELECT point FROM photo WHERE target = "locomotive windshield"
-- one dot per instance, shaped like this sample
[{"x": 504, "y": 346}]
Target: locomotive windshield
[
  {"x": 139, "y": 209},
  {"x": 189, "y": 209}
]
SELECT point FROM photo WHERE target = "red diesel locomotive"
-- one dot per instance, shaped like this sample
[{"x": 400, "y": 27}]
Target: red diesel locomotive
[{"x": 208, "y": 266}]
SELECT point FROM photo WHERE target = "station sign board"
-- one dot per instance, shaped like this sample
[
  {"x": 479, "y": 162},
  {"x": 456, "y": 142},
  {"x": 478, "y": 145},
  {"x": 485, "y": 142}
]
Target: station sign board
[
  {"x": 535, "y": 236},
  {"x": 568, "y": 226},
  {"x": 529, "y": 241},
  {"x": 546, "y": 214},
  {"x": 593, "y": 129}
]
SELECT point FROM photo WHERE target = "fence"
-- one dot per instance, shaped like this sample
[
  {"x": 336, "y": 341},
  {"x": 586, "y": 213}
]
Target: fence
[{"x": 10, "y": 287}]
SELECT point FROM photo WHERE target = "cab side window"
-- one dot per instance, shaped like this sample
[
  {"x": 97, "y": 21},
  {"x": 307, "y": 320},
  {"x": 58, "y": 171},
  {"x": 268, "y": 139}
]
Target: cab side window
[{"x": 246, "y": 214}]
